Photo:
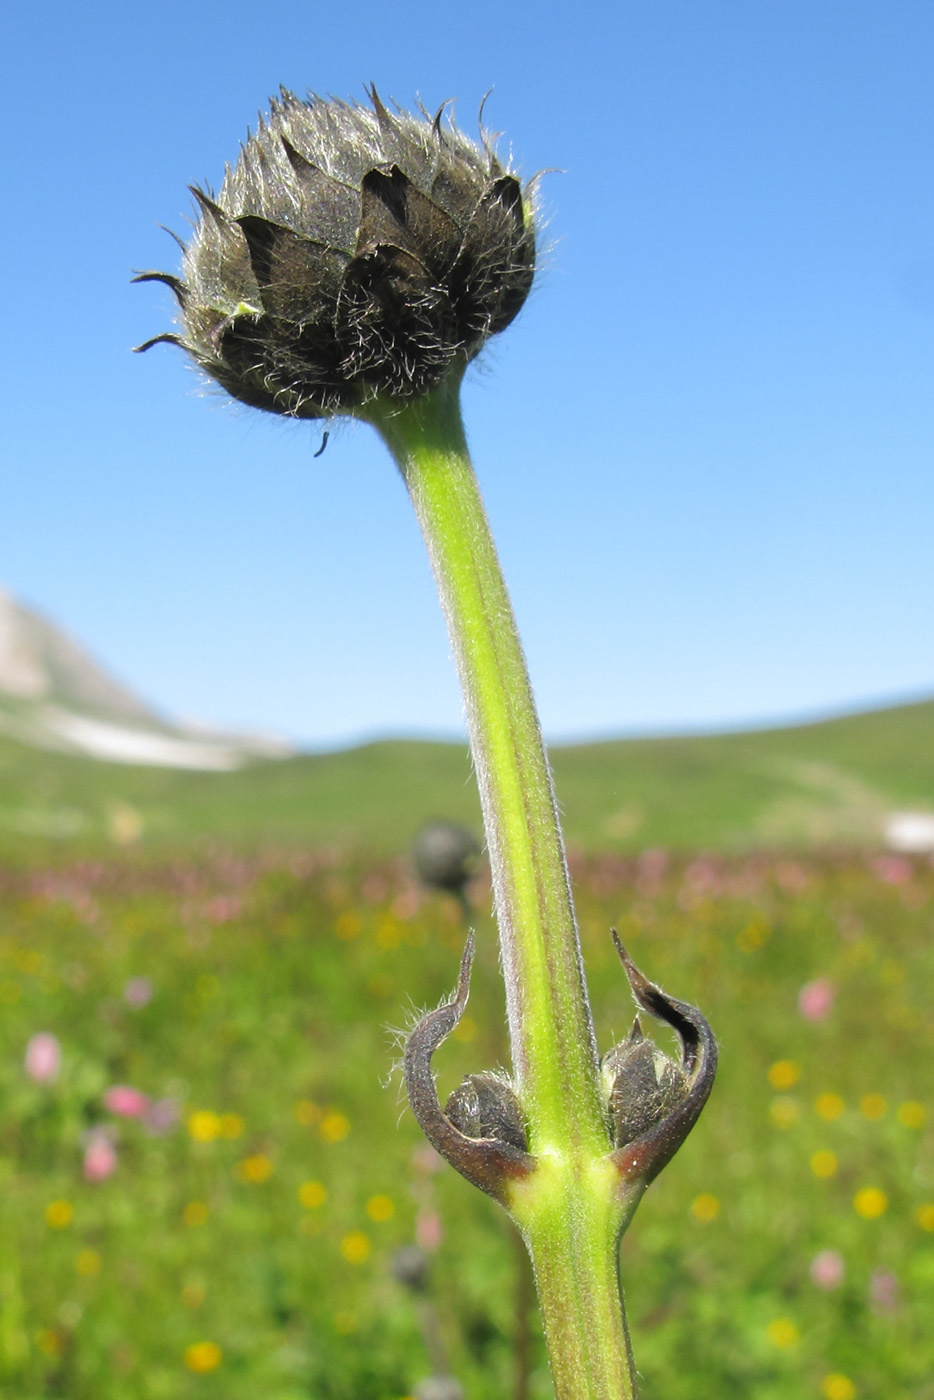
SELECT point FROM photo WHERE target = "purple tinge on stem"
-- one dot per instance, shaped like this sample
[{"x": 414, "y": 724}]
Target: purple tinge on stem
[
  {"x": 653, "y": 1102},
  {"x": 480, "y": 1130}
]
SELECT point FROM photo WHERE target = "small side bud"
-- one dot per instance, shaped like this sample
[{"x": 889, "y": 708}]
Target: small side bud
[
  {"x": 484, "y": 1139},
  {"x": 643, "y": 1085},
  {"x": 484, "y": 1106},
  {"x": 653, "y": 1102}
]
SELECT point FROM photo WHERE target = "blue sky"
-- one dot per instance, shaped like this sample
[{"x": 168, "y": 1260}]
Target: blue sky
[{"x": 706, "y": 445}]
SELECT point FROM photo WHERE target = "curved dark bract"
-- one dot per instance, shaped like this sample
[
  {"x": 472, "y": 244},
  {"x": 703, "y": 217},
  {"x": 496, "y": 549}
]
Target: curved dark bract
[
  {"x": 660, "y": 1111},
  {"x": 489, "y": 1162},
  {"x": 350, "y": 254}
]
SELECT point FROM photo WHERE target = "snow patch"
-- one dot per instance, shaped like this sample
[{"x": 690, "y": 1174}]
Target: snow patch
[{"x": 116, "y": 744}]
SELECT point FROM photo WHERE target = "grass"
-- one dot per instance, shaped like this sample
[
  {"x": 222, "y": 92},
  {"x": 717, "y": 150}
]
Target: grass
[
  {"x": 247, "y": 1248},
  {"x": 826, "y": 783}
]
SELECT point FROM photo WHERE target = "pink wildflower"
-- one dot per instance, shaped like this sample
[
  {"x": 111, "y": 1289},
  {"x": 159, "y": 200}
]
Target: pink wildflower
[
  {"x": 426, "y": 1160},
  {"x": 138, "y": 992},
  {"x": 650, "y": 871},
  {"x": 428, "y": 1230},
  {"x": 127, "y": 1102},
  {"x": 883, "y": 1291},
  {"x": 893, "y": 870},
  {"x": 222, "y": 909},
  {"x": 406, "y": 905},
  {"x": 815, "y": 999},
  {"x": 827, "y": 1269},
  {"x": 790, "y": 877},
  {"x": 162, "y": 1115},
  {"x": 100, "y": 1155},
  {"x": 43, "y": 1058},
  {"x": 374, "y": 889}
]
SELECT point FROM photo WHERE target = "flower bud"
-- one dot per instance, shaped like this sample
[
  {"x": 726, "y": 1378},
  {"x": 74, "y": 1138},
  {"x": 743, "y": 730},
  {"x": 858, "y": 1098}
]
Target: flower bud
[
  {"x": 480, "y": 1130},
  {"x": 350, "y": 254},
  {"x": 643, "y": 1084},
  {"x": 445, "y": 856},
  {"x": 485, "y": 1106},
  {"x": 653, "y": 1102}
]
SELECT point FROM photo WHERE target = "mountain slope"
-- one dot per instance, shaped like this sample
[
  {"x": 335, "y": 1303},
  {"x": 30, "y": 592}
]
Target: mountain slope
[
  {"x": 54, "y": 696},
  {"x": 40, "y": 664}
]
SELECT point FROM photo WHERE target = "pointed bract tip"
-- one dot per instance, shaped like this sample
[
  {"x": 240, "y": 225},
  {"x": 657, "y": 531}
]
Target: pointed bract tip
[
  {"x": 167, "y": 338},
  {"x": 490, "y": 1162},
  {"x": 672, "y": 1096}
]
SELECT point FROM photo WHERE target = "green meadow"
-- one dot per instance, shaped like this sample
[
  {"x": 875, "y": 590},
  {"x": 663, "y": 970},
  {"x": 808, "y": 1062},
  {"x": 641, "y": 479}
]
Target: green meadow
[
  {"x": 205, "y": 1194},
  {"x": 828, "y": 782}
]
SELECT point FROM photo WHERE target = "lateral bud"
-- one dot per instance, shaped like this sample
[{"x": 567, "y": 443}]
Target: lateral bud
[
  {"x": 484, "y": 1106},
  {"x": 480, "y": 1130},
  {"x": 652, "y": 1101}
]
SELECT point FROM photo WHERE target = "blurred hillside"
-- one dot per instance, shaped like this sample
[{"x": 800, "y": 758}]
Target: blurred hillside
[{"x": 839, "y": 782}]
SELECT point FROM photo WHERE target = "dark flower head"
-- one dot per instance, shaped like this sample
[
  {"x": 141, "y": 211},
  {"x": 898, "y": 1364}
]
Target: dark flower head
[
  {"x": 445, "y": 856},
  {"x": 350, "y": 254}
]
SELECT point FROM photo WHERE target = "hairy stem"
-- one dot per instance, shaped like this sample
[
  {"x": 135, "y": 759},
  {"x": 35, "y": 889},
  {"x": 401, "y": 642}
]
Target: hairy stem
[{"x": 571, "y": 1221}]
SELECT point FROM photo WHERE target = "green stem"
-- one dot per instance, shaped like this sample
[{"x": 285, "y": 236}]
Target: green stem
[
  {"x": 572, "y": 1225},
  {"x": 569, "y": 1209}
]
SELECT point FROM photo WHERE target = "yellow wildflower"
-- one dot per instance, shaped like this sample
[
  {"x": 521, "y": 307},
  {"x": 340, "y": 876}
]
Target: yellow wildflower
[
  {"x": 873, "y": 1106},
  {"x": 752, "y": 937},
  {"x": 782, "y": 1333},
  {"x": 204, "y": 1126},
  {"x": 388, "y": 935},
  {"x": 306, "y": 1113},
  {"x": 347, "y": 927},
  {"x": 380, "y": 1208},
  {"x": 195, "y": 1213},
  {"x": 830, "y": 1107},
  {"x": 925, "y": 1216},
  {"x": 870, "y": 1202},
  {"x": 203, "y": 1357},
  {"x": 784, "y": 1111},
  {"x": 356, "y": 1247},
  {"x": 838, "y": 1387},
  {"x": 255, "y": 1168},
  {"x": 59, "y": 1214},
  {"x": 912, "y": 1114},
  {"x": 784, "y": 1074},
  {"x": 824, "y": 1164},
  {"x": 705, "y": 1208},
  {"x": 312, "y": 1194},
  {"x": 334, "y": 1127}
]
